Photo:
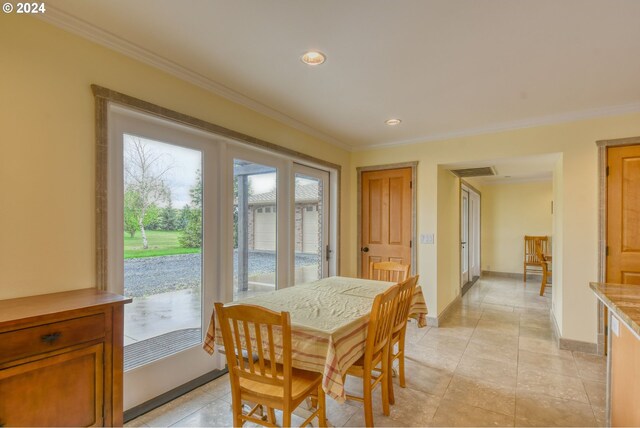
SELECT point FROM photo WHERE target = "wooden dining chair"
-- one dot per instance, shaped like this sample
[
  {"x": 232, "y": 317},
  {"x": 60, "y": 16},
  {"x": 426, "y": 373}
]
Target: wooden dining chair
[
  {"x": 533, "y": 263},
  {"x": 388, "y": 271},
  {"x": 255, "y": 338},
  {"x": 399, "y": 328},
  {"x": 545, "y": 260},
  {"x": 376, "y": 354}
]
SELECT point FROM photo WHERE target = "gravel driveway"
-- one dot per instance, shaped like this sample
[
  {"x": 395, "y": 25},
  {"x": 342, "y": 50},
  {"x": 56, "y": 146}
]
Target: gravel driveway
[{"x": 152, "y": 275}]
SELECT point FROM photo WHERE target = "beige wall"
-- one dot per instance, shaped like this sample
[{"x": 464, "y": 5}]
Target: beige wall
[
  {"x": 575, "y": 231},
  {"x": 448, "y": 239},
  {"x": 510, "y": 211},
  {"x": 47, "y": 157}
]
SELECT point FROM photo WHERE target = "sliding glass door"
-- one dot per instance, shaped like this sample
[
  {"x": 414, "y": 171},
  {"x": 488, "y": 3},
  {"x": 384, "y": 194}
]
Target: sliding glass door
[
  {"x": 311, "y": 224},
  {"x": 163, "y": 189},
  {"x": 258, "y": 236},
  {"x": 195, "y": 218}
]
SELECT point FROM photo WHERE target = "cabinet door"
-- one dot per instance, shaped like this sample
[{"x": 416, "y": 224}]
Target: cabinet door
[{"x": 62, "y": 390}]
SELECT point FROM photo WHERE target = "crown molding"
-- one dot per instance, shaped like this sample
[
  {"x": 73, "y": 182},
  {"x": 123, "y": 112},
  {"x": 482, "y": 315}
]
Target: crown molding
[
  {"x": 514, "y": 125},
  {"x": 109, "y": 40}
]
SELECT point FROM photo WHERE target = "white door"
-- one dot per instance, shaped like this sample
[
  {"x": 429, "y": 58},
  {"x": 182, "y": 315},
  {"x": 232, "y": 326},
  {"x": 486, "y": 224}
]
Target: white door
[
  {"x": 162, "y": 194},
  {"x": 464, "y": 236}
]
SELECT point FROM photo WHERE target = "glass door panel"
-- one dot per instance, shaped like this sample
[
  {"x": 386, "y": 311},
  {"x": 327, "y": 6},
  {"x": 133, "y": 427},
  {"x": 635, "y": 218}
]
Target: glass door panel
[
  {"x": 162, "y": 249},
  {"x": 255, "y": 231},
  {"x": 310, "y": 224}
]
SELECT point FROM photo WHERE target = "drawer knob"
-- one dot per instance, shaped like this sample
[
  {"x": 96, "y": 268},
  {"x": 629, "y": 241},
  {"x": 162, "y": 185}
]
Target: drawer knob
[{"x": 51, "y": 337}]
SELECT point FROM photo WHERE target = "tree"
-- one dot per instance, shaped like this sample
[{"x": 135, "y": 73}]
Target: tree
[
  {"x": 145, "y": 170},
  {"x": 191, "y": 236},
  {"x": 168, "y": 218}
]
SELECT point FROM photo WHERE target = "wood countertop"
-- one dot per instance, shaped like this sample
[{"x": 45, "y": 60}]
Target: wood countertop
[
  {"x": 622, "y": 300},
  {"x": 26, "y": 308}
]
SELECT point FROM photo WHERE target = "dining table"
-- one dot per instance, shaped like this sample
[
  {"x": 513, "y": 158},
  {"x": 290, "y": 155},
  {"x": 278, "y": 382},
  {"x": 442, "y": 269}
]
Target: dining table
[{"x": 329, "y": 320}]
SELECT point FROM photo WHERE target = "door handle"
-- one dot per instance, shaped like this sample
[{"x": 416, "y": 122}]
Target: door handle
[
  {"x": 462, "y": 243},
  {"x": 364, "y": 249}
]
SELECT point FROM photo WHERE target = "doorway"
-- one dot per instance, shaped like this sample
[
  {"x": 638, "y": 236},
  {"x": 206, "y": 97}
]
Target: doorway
[
  {"x": 386, "y": 215},
  {"x": 469, "y": 236}
]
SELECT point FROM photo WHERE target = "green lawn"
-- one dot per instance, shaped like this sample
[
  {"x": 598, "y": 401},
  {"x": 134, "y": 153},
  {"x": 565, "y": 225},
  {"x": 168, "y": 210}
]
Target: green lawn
[{"x": 161, "y": 243}]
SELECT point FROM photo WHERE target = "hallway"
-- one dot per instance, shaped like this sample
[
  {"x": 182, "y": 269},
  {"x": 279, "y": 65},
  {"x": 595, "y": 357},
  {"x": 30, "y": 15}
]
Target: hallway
[{"x": 493, "y": 362}]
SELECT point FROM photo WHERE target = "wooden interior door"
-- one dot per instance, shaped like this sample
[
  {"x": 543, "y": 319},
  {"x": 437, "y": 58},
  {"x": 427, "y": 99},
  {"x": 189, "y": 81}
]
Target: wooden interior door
[
  {"x": 623, "y": 215},
  {"x": 386, "y": 221}
]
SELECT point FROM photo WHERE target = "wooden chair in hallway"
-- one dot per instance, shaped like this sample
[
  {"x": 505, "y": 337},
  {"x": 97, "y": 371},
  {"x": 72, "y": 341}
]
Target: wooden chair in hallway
[
  {"x": 399, "y": 329},
  {"x": 376, "y": 354},
  {"x": 388, "y": 271},
  {"x": 252, "y": 330},
  {"x": 532, "y": 263},
  {"x": 544, "y": 264}
]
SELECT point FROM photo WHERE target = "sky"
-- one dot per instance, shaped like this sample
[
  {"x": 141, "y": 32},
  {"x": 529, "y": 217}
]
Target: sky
[{"x": 183, "y": 163}]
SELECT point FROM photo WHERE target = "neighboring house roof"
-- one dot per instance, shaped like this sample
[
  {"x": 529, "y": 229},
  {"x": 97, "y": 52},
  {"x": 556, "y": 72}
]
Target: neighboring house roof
[{"x": 304, "y": 193}]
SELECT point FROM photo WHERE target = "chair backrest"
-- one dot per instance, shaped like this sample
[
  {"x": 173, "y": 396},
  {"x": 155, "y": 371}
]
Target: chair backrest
[
  {"x": 388, "y": 271},
  {"x": 380, "y": 323},
  {"x": 531, "y": 244},
  {"x": 406, "y": 290},
  {"x": 251, "y": 335}
]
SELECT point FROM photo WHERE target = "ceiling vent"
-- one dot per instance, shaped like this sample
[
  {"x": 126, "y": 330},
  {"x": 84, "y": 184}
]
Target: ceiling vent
[{"x": 474, "y": 172}]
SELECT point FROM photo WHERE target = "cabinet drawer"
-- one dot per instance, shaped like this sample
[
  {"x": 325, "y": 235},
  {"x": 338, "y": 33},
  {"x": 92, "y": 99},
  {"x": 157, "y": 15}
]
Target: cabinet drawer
[{"x": 49, "y": 337}]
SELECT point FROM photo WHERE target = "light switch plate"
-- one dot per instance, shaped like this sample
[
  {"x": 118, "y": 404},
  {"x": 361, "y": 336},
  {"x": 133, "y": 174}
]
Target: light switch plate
[
  {"x": 615, "y": 326},
  {"x": 426, "y": 238}
]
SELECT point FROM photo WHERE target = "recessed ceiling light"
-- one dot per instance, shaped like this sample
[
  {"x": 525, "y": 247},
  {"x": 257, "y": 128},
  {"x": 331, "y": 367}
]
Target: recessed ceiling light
[
  {"x": 392, "y": 122},
  {"x": 313, "y": 58}
]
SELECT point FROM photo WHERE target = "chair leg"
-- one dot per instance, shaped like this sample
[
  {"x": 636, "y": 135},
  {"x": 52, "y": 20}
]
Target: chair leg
[
  {"x": 286, "y": 416},
  {"x": 322, "y": 407},
  {"x": 525, "y": 273},
  {"x": 392, "y": 397},
  {"x": 544, "y": 279},
  {"x": 386, "y": 374},
  {"x": 236, "y": 404},
  {"x": 401, "y": 377},
  {"x": 271, "y": 415},
  {"x": 368, "y": 405}
]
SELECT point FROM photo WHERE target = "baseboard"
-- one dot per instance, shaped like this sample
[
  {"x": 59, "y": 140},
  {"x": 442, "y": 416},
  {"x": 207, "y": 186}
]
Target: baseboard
[
  {"x": 556, "y": 329},
  {"x": 578, "y": 346},
  {"x": 502, "y": 274},
  {"x": 570, "y": 344},
  {"x": 469, "y": 284},
  {"x": 513, "y": 275},
  {"x": 437, "y": 321},
  {"x": 158, "y": 401}
]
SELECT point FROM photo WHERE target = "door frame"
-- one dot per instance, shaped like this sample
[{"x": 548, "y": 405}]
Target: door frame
[
  {"x": 471, "y": 190},
  {"x": 464, "y": 189},
  {"x": 603, "y": 145},
  {"x": 414, "y": 193}
]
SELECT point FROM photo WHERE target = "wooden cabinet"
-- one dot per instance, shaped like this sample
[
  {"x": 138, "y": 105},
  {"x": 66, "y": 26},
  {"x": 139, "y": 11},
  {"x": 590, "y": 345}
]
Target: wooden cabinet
[
  {"x": 61, "y": 359},
  {"x": 624, "y": 375}
]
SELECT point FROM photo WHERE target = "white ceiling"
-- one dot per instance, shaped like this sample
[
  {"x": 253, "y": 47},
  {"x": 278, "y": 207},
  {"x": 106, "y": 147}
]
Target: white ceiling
[{"x": 445, "y": 67}]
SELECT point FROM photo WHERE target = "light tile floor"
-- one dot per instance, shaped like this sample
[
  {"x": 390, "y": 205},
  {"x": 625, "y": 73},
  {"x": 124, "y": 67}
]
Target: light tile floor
[{"x": 493, "y": 362}]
